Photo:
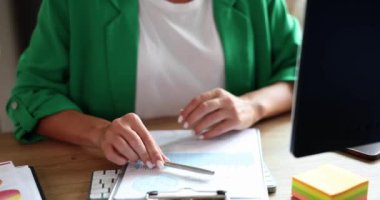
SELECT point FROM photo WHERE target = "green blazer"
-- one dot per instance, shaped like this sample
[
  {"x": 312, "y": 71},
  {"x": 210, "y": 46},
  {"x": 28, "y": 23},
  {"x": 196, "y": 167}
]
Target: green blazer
[{"x": 83, "y": 56}]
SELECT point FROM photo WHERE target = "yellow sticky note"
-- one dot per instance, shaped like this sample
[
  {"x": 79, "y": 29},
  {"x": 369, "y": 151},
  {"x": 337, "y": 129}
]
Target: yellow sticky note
[{"x": 329, "y": 182}]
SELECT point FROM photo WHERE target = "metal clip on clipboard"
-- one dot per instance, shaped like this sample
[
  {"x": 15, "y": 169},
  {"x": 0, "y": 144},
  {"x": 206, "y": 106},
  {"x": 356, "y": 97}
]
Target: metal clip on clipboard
[
  {"x": 192, "y": 194},
  {"x": 187, "y": 194}
]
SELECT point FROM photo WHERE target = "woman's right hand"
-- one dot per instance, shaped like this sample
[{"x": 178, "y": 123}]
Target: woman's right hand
[{"x": 127, "y": 139}]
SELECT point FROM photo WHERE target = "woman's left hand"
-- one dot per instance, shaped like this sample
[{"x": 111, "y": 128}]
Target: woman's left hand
[{"x": 216, "y": 112}]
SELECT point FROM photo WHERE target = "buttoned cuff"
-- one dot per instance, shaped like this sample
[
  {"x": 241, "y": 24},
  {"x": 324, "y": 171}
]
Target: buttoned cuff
[{"x": 26, "y": 119}]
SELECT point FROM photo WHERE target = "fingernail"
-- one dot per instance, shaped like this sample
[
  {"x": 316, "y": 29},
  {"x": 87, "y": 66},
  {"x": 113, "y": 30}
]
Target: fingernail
[
  {"x": 201, "y": 137},
  {"x": 185, "y": 125},
  {"x": 160, "y": 164},
  {"x": 180, "y": 119},
  {"x": 149, "y": 164}
]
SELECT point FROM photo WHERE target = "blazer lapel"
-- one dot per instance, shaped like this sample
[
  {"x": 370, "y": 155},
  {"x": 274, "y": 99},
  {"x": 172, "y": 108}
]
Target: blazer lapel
[
  {"x": 236, "y": 35},
  {"x": 122, "y": 46}
]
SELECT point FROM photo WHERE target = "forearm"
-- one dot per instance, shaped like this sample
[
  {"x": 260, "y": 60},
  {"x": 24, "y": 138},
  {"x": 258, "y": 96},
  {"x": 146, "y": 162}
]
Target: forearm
[
  {"x": 73, "y": 127},
  {"x": 271, "y": 100}
]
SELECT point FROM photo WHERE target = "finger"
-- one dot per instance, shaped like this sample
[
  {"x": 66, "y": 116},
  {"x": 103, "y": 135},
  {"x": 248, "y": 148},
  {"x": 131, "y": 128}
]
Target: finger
[
  {"x": 210, "y": 120},
  {"x": 135, "y": 142},
  {"x": 112, "y": 155},
  {"x": 124, "y": 149},
  {"x": 123, "y": 127},
  {"x": 202, "y": 110},
  {"x": 219, "y": 129},
  {"x": 152, "y": 148},
  {"x": 165, "y": 158},
  {"x": 199, "y": 99}
]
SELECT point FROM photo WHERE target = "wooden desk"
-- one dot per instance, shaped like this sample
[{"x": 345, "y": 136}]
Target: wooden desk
[{"x": 64, "y": 170}]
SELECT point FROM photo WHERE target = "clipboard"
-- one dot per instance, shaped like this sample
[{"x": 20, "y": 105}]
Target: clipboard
[
  {"x": 244, "y": 160},
  {"x": 19, "y": 181},
  {"x": 184, "y": 193},
  {"x": 117, "y": 183},
  {"x": 37, "y": 182},
  {"x": 107, "y": 175},
  {"x": 187, "y": 194}
]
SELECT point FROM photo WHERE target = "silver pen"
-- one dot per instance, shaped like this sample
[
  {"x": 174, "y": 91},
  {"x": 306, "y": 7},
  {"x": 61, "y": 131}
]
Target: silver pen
[{"x": 189, "y": 168}]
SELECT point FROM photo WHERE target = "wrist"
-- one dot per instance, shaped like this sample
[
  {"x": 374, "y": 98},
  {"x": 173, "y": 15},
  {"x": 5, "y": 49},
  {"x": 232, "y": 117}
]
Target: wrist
[
  {"x": 258, "y": 108},
  {"x": 98, "y": 131}
]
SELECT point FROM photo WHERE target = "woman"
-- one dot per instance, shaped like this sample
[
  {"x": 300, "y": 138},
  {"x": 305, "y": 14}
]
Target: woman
[{"x": 91, "y": 65}]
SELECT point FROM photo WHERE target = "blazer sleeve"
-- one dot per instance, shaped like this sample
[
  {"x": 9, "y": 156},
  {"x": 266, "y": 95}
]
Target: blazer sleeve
[
  {"x": 42, "y": 74},
  {"x": 286, "y": 40}
]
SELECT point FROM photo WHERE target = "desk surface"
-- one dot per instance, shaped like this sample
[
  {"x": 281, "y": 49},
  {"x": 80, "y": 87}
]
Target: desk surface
[{"x": 64, "y": 170}]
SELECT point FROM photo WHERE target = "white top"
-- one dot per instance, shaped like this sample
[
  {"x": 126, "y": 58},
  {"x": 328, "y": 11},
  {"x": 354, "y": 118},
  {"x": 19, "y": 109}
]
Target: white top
[{"x": 179, "y": 57}]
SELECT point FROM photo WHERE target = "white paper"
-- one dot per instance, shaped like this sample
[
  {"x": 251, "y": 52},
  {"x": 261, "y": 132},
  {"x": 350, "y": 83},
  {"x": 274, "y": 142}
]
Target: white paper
[
  {"x": 17, "y": 183},
  {"x": 26, "y": 175},
  {"x": 235, "y": 158}
]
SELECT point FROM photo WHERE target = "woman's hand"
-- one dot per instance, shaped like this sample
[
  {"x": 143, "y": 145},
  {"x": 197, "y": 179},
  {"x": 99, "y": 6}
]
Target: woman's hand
[
  {"x": 127, "y": 139},
  {"x": 216, "y": 112}
]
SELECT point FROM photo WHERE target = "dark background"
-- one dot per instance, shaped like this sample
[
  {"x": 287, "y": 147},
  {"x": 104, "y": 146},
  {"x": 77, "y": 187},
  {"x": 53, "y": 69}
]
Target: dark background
[
  {"x": 337, "y": 101},
  {"x": 25, "y": 14}
]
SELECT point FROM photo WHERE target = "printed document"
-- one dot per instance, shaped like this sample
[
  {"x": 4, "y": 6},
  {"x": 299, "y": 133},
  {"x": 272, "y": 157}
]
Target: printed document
[
  {"x": 17, "y": 183},
  {"x": 235, "y": 157}
]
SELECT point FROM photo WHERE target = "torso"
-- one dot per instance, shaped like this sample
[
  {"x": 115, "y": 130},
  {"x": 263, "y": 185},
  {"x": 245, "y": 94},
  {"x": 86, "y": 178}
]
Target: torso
[{"x": 180, "y": 55}]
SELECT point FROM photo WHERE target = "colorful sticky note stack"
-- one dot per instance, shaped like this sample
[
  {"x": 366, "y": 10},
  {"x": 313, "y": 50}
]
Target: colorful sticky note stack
[{"x": 329, "y": 182}]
